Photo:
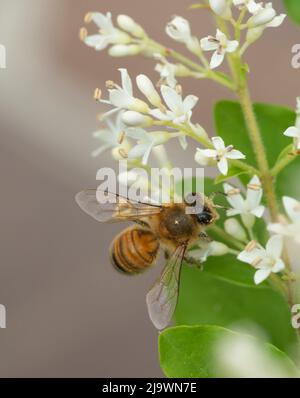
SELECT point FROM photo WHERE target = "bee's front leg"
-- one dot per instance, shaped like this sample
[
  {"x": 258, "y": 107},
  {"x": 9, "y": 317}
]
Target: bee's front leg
[{"x": 194, "y": 262}]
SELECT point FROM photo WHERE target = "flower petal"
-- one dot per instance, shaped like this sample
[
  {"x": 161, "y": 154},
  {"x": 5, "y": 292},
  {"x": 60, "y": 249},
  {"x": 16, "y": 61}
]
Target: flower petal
[
  {"x": 99, "y": 42},
  {"x": 217, "y": 59},
  {"x": 171, "y": 98},
  {"x": 234, "y": 154},
  {"x": 223, "y": 166},
  {"x": 218, "y": 143},
  {"x": 232, "y": 46},
  {"x": 120, "y": 98},
  {"x": 126, "y": 81},
  {"x": 274, "y": 247},
  {"x": 279, "y": 266},
  {"x": 209, "y": 44},
  {"x": 292, "y": 208},
  {"x": 261, "y": 275},
  {"x": 292, "y": 132},
  {"x": 189, "y": 102}
]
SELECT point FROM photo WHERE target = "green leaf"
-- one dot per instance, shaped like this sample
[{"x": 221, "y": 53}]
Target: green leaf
[
  {"x": 233, "y": 172},
  {"x": 220, "y": 297},
  {"x": 293, "y": 10},
  {"x": 273, "y": 120},
  {"x": 191, "y": 352}
]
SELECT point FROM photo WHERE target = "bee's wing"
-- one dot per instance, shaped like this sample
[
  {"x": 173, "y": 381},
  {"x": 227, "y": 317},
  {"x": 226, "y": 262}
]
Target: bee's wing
[
  {"x": 117, "y": 208},
  {"x": 162, "y": 298}
]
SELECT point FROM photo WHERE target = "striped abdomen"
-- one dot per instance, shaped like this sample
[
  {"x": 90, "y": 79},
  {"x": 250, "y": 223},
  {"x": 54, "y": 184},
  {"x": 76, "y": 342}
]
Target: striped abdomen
[{"x": 134, "y": 250}]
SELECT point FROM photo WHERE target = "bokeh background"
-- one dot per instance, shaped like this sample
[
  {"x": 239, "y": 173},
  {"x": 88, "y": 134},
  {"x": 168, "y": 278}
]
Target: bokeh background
[{"x": 68, "y": 313}]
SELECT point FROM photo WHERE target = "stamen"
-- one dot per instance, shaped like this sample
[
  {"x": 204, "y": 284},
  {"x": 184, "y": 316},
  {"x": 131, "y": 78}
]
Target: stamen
[
  {"x": 83, "y": 34},
  {"x": 255, "y": 187},
  {"x": 110, "y": 84},
  {"x": 123, "y": 153},
  {"x": 162, "y": 108},
  {"x": 251, "y": 245},
  {"x": 121, "y": 137},
  {"x": 229, "y": 148},
  {"x": 256, "y": 261},
  {"x": 88, "y": 17},
  {"x": 97, "y": 94},
  {"x": 178, "y": 89},
  {"x": 234, "y": 191}
]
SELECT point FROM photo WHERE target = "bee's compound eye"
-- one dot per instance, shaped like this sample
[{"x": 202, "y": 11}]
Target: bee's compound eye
[{"x": 204, "y": 218}]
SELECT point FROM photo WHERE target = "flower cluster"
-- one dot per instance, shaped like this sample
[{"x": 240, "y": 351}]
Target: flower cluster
[{"x": 142, "y": 119}]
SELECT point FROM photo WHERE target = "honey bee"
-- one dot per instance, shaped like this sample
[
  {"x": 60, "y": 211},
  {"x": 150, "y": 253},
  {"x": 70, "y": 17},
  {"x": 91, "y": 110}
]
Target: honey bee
[{"x": 169, "y": 227}]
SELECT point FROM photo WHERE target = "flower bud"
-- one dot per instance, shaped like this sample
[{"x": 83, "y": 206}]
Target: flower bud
[
  {"x": 218, "y": 249},
  {"x": 129, "y": 25},
  {"x": 122, "y": 50},
  {"x": 248, "y": 220},
  {"x": 254, "y": 34},
  {"x": 262, "y": 17},
  {"x": 221, "y": 8},
  {"x": 179, "y": 29},
  {"x": 234, "y": 228},
  {"x": 139, "y": 106},
  {"x": 147, "y": 88},
  {"x": 134, "y": 119}
]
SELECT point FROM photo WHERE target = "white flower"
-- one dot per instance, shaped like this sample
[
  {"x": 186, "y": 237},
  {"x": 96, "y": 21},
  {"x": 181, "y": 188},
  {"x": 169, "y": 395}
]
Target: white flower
[
  {"x": 108, "y": 34},
  {"x": 251, "y": 5},
  {"x": 294, "y": 132},
  {"x": 214, "y": 248},
  {"x": 248, "y": 208},
  {"x": 234, "y": 228},
  {"x": 221, "y": 154},
  {"x": 129, "y": 25},
  {"x": 292, "y": 229},
  {"x": 111, "y": 137},
  {"x": 124, "y": 50},
  {"x": 146, "y": 141},
  {"x": 166, "y": 70},
  {"x": 122, "y": 97},
  {"x": 266, "y": 260},
  {"x": 179, "y": 29},
  {"x": 265, "y": 16},
  {"x": 221, "y": 8},
  {"x": 179, "y": 110},
  {"x": 147, "y": 88},
  {"x": 220, "y": 45}
]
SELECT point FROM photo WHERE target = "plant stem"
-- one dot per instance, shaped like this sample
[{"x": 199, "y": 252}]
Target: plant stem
[{"x": 259, "y": 149}]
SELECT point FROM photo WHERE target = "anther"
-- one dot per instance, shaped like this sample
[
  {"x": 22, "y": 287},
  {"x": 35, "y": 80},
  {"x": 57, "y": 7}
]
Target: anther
[
  {"x": 110, "y": 84},
  {"x": 83, "y": 34},
  {"x": 97, "y": 94},
  {"x": 251, "y": 245},
  {"x": 88, "y": 17},
  {"x": 233, "y": 191}
]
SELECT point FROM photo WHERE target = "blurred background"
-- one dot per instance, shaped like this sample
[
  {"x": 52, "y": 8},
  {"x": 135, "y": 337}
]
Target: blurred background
[{"x": 69, "y": 314}]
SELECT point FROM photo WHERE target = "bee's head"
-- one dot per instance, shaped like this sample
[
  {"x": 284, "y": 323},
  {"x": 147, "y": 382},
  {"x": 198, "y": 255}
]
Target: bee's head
[{"x": 202, "y": 207}]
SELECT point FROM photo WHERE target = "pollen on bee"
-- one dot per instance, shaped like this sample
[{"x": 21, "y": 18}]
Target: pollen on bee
[
  {"x": 83, "y": 34},
  {"x": 88, "y": 17},
  {"x": 97, "y": 94},
  {"x": 251, "y": 245}
]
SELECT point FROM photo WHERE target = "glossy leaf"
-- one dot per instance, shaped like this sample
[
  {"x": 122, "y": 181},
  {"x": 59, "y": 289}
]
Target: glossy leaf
[{"x": 191, "y": 352}]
